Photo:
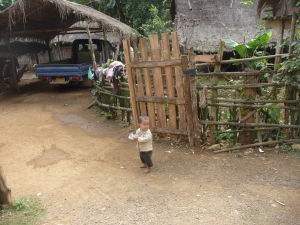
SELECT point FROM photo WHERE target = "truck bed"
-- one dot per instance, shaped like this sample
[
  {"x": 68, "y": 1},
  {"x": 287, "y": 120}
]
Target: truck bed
[{"x": 61, "y": 70}]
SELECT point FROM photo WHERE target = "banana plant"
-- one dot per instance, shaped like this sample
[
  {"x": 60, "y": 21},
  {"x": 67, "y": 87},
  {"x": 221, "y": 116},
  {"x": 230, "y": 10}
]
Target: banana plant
[{"x": 253, "y": 48}]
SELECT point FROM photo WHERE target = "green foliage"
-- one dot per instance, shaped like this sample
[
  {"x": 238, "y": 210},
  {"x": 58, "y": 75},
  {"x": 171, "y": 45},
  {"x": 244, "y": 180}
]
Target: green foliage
[
  {"x": 156, "y": 23},
  {"x": 254, "y": 48},
  {"x": 286, "y": 148},
  {"x": 23, "y": 212},
  {"x": 146, "y": 16},
  {"x": 5, "y": 3},
  {"x": 289, "y": 71},
  {"x": 247, "y": 3}
]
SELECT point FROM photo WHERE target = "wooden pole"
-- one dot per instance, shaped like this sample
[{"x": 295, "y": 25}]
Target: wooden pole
[
  {"x": 91, "y": 48},
  {"x": 5, "y": 192},
  {"x": 279, "y": 42},
  {"x": 242, "y": 60},
  {"x": 131, "y": 83},
  {"x": 188, "y": 102},
  {"x": 293, "y": 28},
  {"x": 215, "y": 81},
  {"x": 258, "y": 144}
]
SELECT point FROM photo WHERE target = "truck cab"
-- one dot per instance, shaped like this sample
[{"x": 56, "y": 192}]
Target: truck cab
[{"x": 75, "y": 69}]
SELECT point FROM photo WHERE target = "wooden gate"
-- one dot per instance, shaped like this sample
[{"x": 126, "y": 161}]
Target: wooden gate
[{"x": 158, "y": 87}]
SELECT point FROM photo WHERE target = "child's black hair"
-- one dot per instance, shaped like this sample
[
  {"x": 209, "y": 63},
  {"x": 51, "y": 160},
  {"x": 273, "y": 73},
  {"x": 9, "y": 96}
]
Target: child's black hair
[{"x": 142, "y": 118}]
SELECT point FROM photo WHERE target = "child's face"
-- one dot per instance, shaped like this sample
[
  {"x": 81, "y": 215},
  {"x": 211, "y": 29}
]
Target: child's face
[{"x": 144, "y": 125}]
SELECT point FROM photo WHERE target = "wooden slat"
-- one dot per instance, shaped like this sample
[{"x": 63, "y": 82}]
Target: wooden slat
[
  {"x": 148, "y": 86},
  {"x": 206, "y": 58},
  {"x": 157, "y": 99},
  {"x": 179, "y": 81},
  {"x": 188, "y": 100},
  {"x": 126, "y": 46},
  {"x": 158, "y": 63},
  {"x": 140, "y": 87},
  {"x": 215, "y": 80},
  {"x": 170, "y": 79},
  {"x": 158, "y": 81}
]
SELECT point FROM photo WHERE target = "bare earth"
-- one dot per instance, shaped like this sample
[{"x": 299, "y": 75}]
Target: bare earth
[{"x": 85, "y": 171}]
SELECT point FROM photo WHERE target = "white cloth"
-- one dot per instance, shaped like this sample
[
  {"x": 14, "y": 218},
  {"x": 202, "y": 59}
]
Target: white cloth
[
  {"x": 110, "y": 70},
  {"x": 144, "y": 140}
]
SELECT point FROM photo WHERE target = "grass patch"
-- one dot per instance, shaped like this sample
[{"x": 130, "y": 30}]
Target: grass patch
[{"x": 23, "y": 212}]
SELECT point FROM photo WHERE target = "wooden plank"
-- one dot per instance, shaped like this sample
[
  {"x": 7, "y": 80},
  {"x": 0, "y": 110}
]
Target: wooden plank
[
  {"x": 158, "y": 81},
  {"x": 189, "y": 103},
  {"x": 126, "y": 46},
  {"x": 206, "y": 58},
  {"x": 156, "y": 63},
  {"x": 179, "y": 80},
  {"x": 147, "y": 78},
  {"x": 165, "y": 100},
  {"x": 214, "y": 110},
  {"x": 140, "y": 86},
  {"x": 170, "y": 80},
  {"x": 168, "y": 131}
]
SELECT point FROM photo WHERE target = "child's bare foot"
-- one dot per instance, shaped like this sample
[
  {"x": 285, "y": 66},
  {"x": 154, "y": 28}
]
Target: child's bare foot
[
  {"x": 143, "y": 166},
  {"x": 148, "y": 170}
]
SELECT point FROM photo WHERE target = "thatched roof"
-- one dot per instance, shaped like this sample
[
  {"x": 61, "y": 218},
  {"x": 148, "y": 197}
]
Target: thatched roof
[
  {"x": 280, "y": 8},
  {"x": 202, "y": 24},
  {"x": 44, "y": 19}
]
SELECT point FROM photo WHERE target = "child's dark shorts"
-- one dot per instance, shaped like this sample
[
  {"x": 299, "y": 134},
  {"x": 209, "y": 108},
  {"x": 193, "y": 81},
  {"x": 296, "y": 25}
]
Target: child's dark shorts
[{"x": 146, "y": 157}]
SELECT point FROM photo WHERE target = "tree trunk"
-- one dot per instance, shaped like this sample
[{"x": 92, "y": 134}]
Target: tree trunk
[{"x": 5, "y": 193}]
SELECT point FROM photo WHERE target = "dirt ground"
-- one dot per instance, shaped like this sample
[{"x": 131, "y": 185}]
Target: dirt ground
[{"x": 85, "y": 171}]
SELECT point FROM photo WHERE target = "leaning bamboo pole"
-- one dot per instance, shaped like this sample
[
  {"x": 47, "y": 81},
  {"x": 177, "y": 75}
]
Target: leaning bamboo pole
[{"x": 291, "y": 141}]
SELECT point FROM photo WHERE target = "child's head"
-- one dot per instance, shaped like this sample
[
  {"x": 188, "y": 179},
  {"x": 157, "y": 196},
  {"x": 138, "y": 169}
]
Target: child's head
[{"x": 144, "y": 123}]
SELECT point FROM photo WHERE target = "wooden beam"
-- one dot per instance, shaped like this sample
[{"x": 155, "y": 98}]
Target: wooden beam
[{"x": 54, "y": 30}]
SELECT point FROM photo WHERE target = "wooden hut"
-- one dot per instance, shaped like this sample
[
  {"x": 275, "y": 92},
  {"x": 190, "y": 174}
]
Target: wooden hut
[{"x": 42, "y": 20}]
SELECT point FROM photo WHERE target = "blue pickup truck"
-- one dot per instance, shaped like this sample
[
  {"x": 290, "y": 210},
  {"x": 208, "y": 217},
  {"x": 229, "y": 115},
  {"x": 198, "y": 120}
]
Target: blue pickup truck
[{"x": 74, "y": 70}]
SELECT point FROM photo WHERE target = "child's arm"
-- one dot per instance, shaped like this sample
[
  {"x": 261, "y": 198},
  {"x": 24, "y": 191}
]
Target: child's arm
[{"x": 146, "y": 138}]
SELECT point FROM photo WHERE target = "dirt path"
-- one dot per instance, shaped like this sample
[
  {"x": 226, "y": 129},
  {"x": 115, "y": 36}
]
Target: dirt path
[{"x": 86, "y": 172}]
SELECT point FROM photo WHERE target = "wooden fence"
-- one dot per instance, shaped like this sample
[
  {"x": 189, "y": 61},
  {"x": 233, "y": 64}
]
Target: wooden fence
[
  {"x": 180, "y": 98},
  {"x": 115, "y": 102}
]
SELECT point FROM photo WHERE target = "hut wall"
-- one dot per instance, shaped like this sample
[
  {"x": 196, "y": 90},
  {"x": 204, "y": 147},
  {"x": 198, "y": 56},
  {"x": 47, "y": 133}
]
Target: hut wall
[{"x": 207, "y": 22}]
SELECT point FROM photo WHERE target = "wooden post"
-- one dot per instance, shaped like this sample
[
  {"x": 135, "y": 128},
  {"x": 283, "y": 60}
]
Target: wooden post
[
  {"x": 148, "y": 85},
  {"x": 188, "y": 101},
  {"x": 179, "y": 80},
  {"x": 5, "y": 192},
  {"x": 293, "y": 28},
  {"x": 49, "y": 51},
  {"x": 91, "y": 48},
  {"x": 158, "y": 80},
  {"x": 279, "y": 42},
  {"x": 13, "y": 81},
  {"x": 165, "y": 43},
  {"x": 131, "y": 83},
  {"x": 214, "y": 110}
]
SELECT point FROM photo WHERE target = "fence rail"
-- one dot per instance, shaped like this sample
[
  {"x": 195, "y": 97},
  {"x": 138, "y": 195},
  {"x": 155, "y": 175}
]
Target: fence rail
[{"x": 172, "y": 89}]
